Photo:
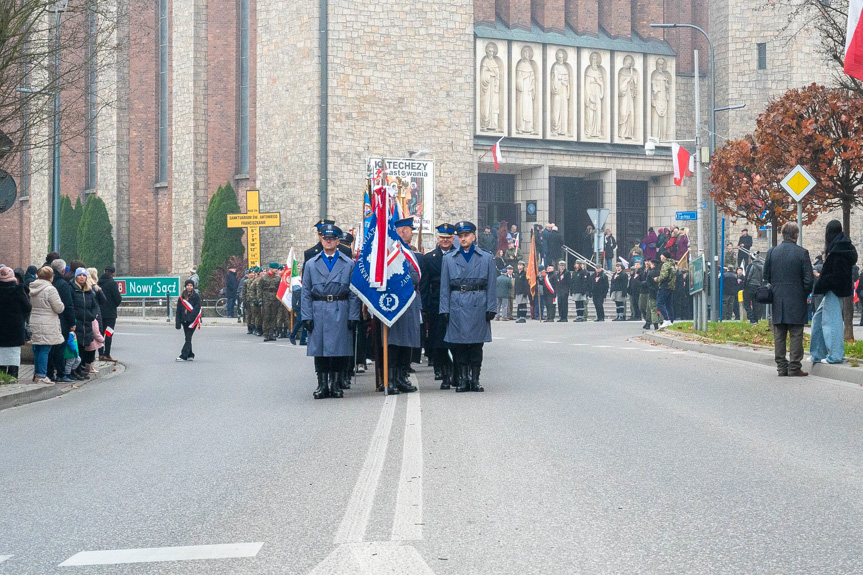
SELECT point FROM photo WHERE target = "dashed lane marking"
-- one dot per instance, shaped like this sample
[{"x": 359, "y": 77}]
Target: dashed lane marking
[
  {"x": 5, "y": 558},
  {"x": 408, "y": 519},
  {"x": 525, "y": 340},
  {"x": 551, "y": 342},
  {"x": 579, "y": 344},
  {"x": 156, "y": 554}
]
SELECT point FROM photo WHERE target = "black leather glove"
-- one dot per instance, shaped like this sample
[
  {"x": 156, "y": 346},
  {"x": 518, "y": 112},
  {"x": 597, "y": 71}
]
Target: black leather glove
[
  {"x": 309, "y": 324},
  {"x": 445, "y": 318},
  {"x": 352, "y": 324},
  {"x": 490, "y": 315},
  {"x": 178, "y": 326}
]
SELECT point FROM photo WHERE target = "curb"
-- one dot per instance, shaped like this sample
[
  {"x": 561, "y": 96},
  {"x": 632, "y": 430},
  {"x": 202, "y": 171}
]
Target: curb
[
  {"x": 760, "y": 355},
  {"x": 39, "y": 392}
]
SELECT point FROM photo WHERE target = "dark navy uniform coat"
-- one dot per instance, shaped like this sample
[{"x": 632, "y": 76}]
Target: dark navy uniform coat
[
  {"x": 467, "y": 309},
  {"x": 331, "y": 337},
  {"x": 406, "y": 330}
]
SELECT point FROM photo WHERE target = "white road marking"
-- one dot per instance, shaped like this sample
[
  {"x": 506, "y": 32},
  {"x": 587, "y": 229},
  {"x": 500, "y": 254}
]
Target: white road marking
[
  {"x": 374, "y": 558},
  {"x": 630, "y": 348},
  {"x": 525, "y": 340},
  {"x": 154, "y": 554},
  {"x": 353, "y": 526},
  {"x": 551, "y": 342},
  {"x": 579, "y": 344},
  {"x": 603, "y": 346},
  {"x": 5, "y": 558},
  {"x": 407, "y": 523}
]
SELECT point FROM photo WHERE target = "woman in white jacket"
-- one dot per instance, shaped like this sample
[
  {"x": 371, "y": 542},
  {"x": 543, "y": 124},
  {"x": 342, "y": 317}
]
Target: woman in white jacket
[{"x": 44, "y": 321}]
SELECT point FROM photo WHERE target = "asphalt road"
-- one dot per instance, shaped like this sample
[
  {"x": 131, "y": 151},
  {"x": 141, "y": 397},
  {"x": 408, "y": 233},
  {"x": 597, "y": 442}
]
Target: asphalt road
[{"x": 590, "y": 452}]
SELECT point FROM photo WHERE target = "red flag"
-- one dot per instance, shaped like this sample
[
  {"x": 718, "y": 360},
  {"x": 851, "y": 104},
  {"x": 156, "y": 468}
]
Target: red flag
[
  {"x": 495, "y": 153},
  {"x": 854, "y": 41},
  {"x": 680, "y": 158}
]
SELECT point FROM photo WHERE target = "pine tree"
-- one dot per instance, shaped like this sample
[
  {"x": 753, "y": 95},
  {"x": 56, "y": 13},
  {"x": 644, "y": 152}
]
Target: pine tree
[
  {"x": 220, "y": 242},
  {"x": 95, "y": 239},
  {"x": 68, "y": 230}
]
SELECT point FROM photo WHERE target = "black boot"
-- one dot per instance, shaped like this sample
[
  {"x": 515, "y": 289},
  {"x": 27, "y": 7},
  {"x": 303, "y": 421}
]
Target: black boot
[
  {"x": 446, "y": 376},
  {"x": 462, "y": 378},
  {"x": 12, "y": 370},
  {"x": 474, "y": 378},
  {"x": 438, "y": 373},
  {"x": 335, "y": 388},
  {"x": 391, "y": 384},
  {"x": 403, "y": 384},
  {"x": 321, "y": 392},
  {"x": 346, "y": 378}
]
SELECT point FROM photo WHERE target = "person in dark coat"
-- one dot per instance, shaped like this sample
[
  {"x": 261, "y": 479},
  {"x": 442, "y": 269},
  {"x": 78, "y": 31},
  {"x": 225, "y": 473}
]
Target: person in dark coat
[
  {"x": 14, "y": 308},
  {"x": 436, "y": 348},
  {"x": 609, "y": 246},
  {"x": 188, "y": 317},
  {"x": 522, "y": 293},
  {"x": 598, "y": 291},
  {"x": 231, "y": 285},
  {"x": 331, "y": 311},
  {"x": 318, "y": 247},
  {"x": 753, "y": 280},
  {"x": 86, "y": 310},
  {"x": 30, "y": 275},
  {"x": 788, "y": 268},
  {"x": 730, "y": 287},
  {"x": 487, "y": 240},
  {"x": 835, "y": 282},
  {"x": 744, "y": 242},
  {"x": 619, "y": 291},
  {"x": 109, "y": 309},
  {"x": 636, "y": 277},
  {"x": 548, "y": 279},
  {"x": 555, "y": 245},
  {"x": 467, "y": 304},
  {"x": 580, "y": 290},
  {"x": 563, "y": 283},
  {"x": 404, "y": 334},
  {"x": 56, "y": 361}
]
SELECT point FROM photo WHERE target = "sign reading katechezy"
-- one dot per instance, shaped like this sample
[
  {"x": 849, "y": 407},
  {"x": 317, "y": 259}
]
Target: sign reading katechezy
[
  {"x": 148, "y": 287},
  {"x": 412, "y": 179}
]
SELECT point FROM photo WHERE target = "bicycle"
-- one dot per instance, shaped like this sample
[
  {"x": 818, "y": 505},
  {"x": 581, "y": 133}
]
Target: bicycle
[{"x": 221, "y": 306}]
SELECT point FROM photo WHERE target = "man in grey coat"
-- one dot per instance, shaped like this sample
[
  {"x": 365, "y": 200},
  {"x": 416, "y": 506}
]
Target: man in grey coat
[
  {"x": 467, "y": 304},
  {"x": 789, "y": 269},
  {"x": 404, "y": 334},
  {"x": 331, "y": 311}
]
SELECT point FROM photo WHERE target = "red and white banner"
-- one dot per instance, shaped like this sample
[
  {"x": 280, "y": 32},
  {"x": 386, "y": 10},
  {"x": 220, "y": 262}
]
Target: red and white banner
[
  {"x": 549, "y": 287},
  {"x": 495, "y": 153},
  {"x": 109, "y": 331},
  {"x": 680, "y": 158},
  {"x": 854, "y": 41}
]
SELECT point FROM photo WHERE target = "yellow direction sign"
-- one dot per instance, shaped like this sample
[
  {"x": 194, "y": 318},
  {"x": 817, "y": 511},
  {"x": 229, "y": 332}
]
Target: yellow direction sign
[
  {"x": 253, "y": 220},
  {"x": 798, "y": 183}
]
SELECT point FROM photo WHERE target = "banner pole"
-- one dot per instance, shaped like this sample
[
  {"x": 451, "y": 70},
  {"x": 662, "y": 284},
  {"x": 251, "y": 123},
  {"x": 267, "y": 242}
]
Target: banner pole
[{"x": 386, "y": 361}]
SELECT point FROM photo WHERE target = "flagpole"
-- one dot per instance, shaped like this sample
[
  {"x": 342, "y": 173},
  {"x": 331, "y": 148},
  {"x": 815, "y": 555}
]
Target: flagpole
[
  {"x": 386, "y": 361},
  {"x": 384, "y": 182}
]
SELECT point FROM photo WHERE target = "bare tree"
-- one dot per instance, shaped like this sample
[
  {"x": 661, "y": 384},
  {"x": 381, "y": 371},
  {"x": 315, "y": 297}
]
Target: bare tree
[
  {"x": 829, "y": 18},
  {"x": 39, "y": 59}
]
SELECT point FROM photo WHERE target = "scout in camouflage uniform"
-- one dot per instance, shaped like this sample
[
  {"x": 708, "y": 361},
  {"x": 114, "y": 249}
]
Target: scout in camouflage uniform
[
  {"x": 268, "y": 285},
  {"x": 257, "y": 304},
  {"x": 247, "y": 300}
]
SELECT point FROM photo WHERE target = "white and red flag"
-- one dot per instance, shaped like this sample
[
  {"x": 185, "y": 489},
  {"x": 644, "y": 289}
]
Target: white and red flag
[
  {"x": 495, "y": 153},
  {"x": 549, "y": 287},
  {"x": 680, "y": 158},
  {"x": 109, "y": 331},
  {"x": 854, "y": 40},
  {"x": 286, "y": 284}
]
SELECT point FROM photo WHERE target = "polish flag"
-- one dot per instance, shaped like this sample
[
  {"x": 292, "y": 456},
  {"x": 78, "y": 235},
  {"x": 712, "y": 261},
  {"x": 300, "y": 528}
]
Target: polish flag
[
  {"x": 854, "y": 41},
  {"x": 680, "y": 157},
  {"x": 495, "y": 153}
]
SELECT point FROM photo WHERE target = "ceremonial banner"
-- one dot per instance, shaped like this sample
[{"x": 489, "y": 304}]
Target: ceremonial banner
[
  {"x": 411, "y": 182},
  {"x": 286, "y": 284},
  {"x": 381, "y": 276}
]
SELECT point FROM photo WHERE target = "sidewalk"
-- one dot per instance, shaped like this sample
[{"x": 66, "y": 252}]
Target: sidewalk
[
  {"x": 16, "y": 394},
  {"x": 763, "y": 355}
]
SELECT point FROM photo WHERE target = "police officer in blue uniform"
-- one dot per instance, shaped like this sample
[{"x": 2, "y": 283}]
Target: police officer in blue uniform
[
  {"x": 436, "y": 348},
  {"x": 330, "y": 311},
  {"x": 404, "y": 334},
  {"x": 468, "y": 304}
]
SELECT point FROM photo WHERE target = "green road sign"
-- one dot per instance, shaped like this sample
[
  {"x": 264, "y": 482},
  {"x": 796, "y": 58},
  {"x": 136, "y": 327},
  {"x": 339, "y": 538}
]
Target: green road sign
[
  {"x": 148, "y": 287},
  {"x": 696, "y": 276}
]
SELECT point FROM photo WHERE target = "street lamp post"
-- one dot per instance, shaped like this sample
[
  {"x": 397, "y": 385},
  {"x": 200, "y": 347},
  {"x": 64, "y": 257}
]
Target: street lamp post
[
  {"x": 714, "y": 249},
  {"x": 58, "y": 9}
]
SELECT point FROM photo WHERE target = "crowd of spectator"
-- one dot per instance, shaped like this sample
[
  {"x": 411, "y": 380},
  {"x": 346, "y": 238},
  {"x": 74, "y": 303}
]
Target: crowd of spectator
[{"x": 66, "y": 312}]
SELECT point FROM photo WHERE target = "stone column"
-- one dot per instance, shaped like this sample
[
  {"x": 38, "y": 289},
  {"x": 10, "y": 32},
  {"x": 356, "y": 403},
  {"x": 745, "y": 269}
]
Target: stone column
[
  {"x": 532, "y": 184},
  {"x": 189, "y": 129}
]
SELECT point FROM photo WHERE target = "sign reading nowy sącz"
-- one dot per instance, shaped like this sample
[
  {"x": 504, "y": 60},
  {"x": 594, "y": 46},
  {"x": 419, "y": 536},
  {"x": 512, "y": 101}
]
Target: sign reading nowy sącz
[{"x": 148, "y": 287}]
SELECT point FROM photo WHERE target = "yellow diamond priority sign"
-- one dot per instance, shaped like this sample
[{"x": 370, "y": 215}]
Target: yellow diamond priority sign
[{"x": 798, "y": 183}]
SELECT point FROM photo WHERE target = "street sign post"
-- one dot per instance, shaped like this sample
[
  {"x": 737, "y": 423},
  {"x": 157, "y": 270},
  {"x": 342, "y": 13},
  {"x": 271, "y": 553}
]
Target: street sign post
[
  {"x": 253, "y": 220},
  {"x": 153, "y": 287},
  {"x": 696, "y": 289},
  {"x": 798, "y": 183},
  {"x": 685, "y": 216},
  {"x": 597, "y": 217}
]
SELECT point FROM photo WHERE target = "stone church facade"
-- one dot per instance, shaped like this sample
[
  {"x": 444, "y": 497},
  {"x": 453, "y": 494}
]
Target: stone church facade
[{"x": 209, "y": 95}]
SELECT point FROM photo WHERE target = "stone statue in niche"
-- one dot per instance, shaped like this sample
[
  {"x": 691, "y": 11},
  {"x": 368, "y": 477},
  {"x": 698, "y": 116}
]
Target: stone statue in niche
[
  {"x": 594, "y": 93},
  {"x": 489, "y": 89},
  {"x": 627, "y": 90},
  {"x": 525, "y": 92},
  {"x": 660, "y": 97},
  {"x": 561, "y": 92}
]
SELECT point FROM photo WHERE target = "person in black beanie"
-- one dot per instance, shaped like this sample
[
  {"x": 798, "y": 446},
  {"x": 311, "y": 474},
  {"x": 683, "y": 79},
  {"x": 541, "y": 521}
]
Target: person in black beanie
[{"x": 189, "y": 317}]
